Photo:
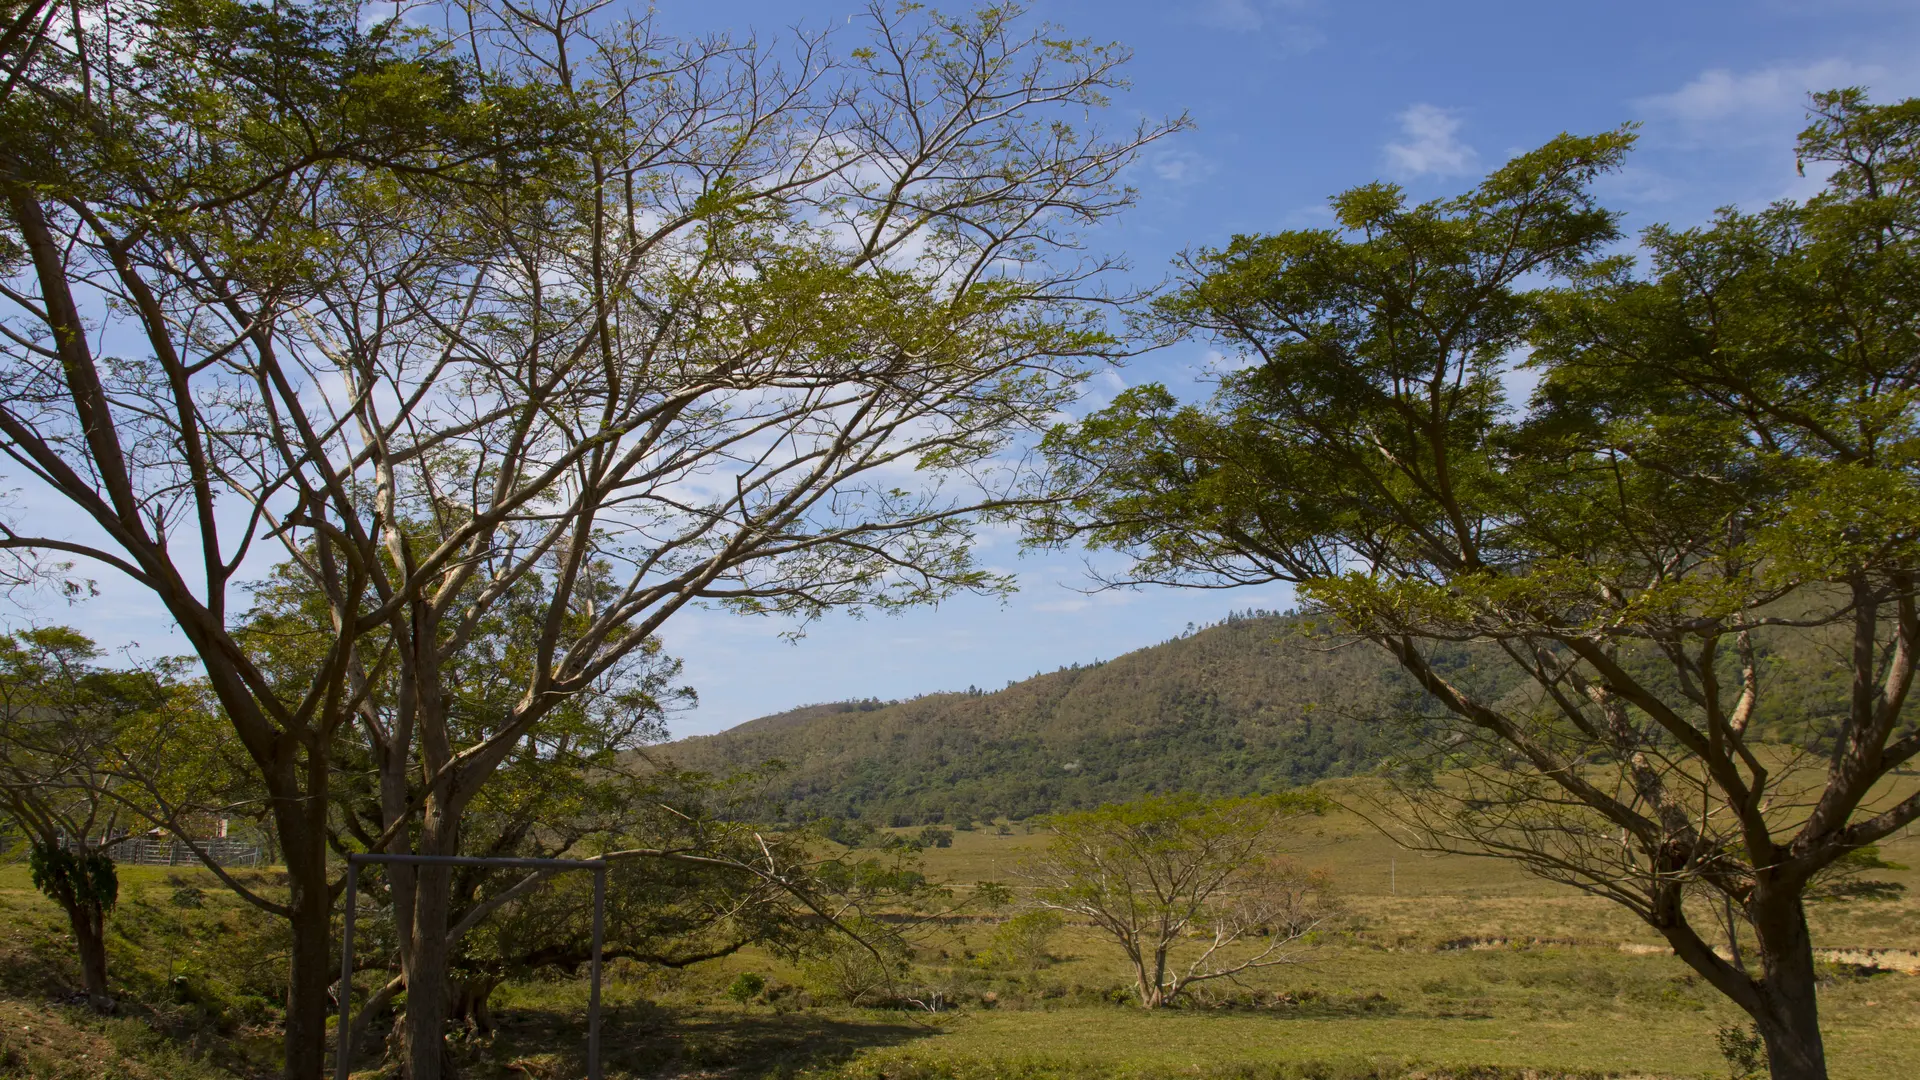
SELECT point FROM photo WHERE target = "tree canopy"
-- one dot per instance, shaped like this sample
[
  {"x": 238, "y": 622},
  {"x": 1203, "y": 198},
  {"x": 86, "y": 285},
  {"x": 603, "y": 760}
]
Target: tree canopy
[
  {"x": 1716, "y": 459},
  {"x": 486, "y": 307}
]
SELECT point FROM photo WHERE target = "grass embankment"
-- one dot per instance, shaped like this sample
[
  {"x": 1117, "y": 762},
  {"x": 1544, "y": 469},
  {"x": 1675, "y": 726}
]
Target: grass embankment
[
  {"x": 196, "y": 973},
  {"x": 1452, "y": 967}
]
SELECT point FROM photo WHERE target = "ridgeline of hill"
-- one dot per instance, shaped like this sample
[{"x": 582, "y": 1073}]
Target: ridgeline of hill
[
  {"x": 1251, "y": 704},
  {"x": 1247, "y": 705}
]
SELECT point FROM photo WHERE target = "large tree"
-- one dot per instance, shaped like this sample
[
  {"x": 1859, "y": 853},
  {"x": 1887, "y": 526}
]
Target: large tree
[
  {"x": 1715, "y": 472},
  {"x": 174, "y": 178},
  {"x": 544, "y": 305}
]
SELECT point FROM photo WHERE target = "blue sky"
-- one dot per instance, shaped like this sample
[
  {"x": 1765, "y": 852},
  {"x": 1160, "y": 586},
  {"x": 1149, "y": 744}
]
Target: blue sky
[{"x": 1293, "y": 101}]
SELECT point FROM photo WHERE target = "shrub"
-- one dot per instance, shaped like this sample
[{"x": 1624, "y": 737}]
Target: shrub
[
  {"x": 745, "y": 987},
  {"x": 1022, "y": 941},
  {"x": 848, "y": 971}
]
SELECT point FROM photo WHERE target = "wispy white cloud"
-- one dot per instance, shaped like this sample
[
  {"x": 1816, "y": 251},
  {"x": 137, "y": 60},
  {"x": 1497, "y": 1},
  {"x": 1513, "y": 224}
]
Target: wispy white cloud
[
  {"x": 1070, "y": 604},
  {"x": 1744, "y": 120},
  {"x": 1765, "y": 96},
  {"x": 1181, "y": 166},
  {"x": 1230, "y": 15},
  {"x": 1639, "y": 184},
  {"x": 1430, "y": 144},
  {"x": 1287, "y": 22}
]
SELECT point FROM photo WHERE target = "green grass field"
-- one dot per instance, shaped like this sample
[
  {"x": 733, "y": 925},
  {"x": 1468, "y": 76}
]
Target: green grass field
[{"x": 1446, "y": 966}]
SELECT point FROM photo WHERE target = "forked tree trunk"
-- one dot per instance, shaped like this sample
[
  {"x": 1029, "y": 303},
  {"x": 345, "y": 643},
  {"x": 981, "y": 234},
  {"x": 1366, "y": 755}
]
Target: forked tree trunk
[
  {"x": 1788, "y": 1012},
  {"x": 1150, "y": 981}
]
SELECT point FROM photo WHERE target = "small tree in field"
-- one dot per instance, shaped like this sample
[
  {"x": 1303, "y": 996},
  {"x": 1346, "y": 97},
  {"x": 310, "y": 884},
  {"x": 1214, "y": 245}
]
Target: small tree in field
[
  {"x": 63, "y": 722},
  {"x": 1190, "y": 889},
  {"x": 1022, "y": 942}
]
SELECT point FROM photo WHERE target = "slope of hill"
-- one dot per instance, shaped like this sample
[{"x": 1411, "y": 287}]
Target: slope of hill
[{"x": 1247, "y": 705}]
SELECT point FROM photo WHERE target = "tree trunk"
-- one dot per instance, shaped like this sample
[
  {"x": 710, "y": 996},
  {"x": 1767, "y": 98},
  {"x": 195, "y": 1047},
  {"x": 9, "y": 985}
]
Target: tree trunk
[
  {"x": 302, "y": 832},
  {"x": 90, "y": 938},
  {"x": 1789, "y": 1013},
  {"x": 1148, "y": 981},
  {"x": 427, "y": 987},
  {"x": 471, "y": 1005}
]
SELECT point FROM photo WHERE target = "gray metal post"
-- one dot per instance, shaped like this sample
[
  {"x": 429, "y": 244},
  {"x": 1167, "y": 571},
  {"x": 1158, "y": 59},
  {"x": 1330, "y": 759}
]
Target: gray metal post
[
  {"x": 342, "y": 1044},
  {"x": 593, "y": 994}
]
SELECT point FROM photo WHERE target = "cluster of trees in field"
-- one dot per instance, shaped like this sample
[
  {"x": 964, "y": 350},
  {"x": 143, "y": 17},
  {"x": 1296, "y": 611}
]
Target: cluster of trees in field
[
  {"x": 93, "y": 756},
  {"x": 423, "y": 365}
]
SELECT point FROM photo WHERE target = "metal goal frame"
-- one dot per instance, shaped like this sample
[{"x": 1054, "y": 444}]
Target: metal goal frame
[{"x": 343, "y": 1052}]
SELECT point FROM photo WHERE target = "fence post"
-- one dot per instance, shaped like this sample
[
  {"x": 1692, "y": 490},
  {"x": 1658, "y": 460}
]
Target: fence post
[{"x": 593, "y": 994}]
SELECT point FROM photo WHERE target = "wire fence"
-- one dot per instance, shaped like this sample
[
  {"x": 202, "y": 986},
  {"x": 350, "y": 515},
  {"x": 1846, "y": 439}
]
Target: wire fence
[{"x": 147, "y": 851}]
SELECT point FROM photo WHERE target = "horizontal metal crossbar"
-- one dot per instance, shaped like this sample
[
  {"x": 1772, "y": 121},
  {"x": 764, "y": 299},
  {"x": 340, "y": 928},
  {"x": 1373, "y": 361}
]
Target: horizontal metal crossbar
[{"x": 480, "y": 860}]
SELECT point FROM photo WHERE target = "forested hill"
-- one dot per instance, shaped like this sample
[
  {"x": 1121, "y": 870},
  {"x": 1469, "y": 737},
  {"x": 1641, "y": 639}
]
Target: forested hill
[{"x": 1247, "y": 705}]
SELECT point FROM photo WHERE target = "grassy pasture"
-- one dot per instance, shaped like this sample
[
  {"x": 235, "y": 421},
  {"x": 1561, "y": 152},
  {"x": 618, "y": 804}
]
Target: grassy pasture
[
  {"x": 1450, "y": 967},
  {"x": 1406, "y": 898}
]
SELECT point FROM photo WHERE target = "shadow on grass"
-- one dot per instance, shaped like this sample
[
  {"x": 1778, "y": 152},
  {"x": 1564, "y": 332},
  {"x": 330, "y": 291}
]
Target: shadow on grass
[{"x": 642, "y": 1040}]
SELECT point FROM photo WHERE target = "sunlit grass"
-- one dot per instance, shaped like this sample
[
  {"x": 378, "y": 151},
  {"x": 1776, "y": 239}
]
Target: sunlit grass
[{"x": 1446, "y": 966}]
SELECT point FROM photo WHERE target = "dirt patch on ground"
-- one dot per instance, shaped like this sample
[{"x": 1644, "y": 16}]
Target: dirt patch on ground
[
  {"x": 47, "y": 1042},
  {"x": 1901, "y": 960},
  {"x": 1904, "y": 960}
]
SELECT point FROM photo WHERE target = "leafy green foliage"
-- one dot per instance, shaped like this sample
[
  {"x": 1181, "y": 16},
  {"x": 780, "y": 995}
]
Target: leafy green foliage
[
  {"x": 75, "y": 739},
  {"x": 85, "y": 878},
  {"x": 1023, "y": 942},
  {"x": 1744, "y": 1050},
  {"x": 1720, "y": 458},
  {"x": 746, "y": 986}
]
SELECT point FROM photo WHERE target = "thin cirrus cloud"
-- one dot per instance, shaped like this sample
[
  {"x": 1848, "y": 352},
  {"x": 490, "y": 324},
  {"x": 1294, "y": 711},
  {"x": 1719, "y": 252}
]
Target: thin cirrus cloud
[
  {"x": 1722, "y": 104},
  {"x": 1430, "y": 145},
  {"x": 1285, "y": 20},
  {"x": 1181, "y": 166}
]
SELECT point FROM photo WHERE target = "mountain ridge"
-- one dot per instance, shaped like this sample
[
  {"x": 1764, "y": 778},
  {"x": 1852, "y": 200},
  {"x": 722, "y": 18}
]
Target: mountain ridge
[
  {"x": 1257, "y": 702},
  {"x": 1253, "y": 703}
]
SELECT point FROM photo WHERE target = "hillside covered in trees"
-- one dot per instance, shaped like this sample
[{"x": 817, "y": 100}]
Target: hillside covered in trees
[
  {"x": 1250, "y": 704},
  {"x": 1256, "y": 703}
]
